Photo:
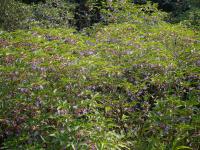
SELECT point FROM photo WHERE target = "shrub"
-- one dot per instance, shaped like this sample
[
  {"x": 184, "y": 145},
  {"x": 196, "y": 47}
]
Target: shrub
[
  {"x": 17, "y": 15},
  {"x": 14, "y": 15},
  {"x": 53, "y": 13},
  {"x": 130, "y": 86},
  {"x": 191, "y": 18},
  {"x": 133, "y": 84}
]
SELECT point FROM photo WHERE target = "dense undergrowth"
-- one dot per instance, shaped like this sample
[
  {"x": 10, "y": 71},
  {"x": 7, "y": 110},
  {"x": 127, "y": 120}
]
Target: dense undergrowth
[{"x": 129, "y": 85}]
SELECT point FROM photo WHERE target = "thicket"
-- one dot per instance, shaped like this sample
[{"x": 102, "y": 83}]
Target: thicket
[
  {"x": 52, "y": 13},
  {"x": 133, "y": 83},
  {"x": 190, "y": 17},
  {"x": 23, "y": 14}
]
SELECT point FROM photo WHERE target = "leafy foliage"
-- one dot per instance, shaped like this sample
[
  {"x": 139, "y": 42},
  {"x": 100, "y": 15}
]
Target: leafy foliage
[
  {"x": 83, "y": 14},
  {"x": 13, "y": 15},
  {"x": 53, "y": 13},
  {"x": 130, "y": 84},
  {"x": 191, "y": 17}
]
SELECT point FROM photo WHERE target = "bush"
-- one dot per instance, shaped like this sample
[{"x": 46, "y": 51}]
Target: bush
[
  {"x": 53, "y": 13},
  {"x": 125, "y": 11},
  {"x": 130, "y": 86},
  {"x": 191, "y": 18},
  {"x": 14, "y": 15},
  {"x": 60, "y": 13},
  {"x": 133, "y": 84}
]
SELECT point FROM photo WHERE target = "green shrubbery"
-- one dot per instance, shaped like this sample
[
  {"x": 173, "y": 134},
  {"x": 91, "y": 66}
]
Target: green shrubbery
[
  {"x": 14, "y": 15},
  {"x": 191, "y": 17},
  {"x": 132, "y": 84},
  {"x": 82, "y": 14},
  {"x": 53, "y": 13}
]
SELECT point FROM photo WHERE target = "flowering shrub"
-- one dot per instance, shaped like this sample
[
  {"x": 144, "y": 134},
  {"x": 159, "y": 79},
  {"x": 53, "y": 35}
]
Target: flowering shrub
[{"x": 128, "y": 86}]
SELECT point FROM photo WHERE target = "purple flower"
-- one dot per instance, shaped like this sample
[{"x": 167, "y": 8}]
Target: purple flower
[{"x": 24, "y": 90}]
